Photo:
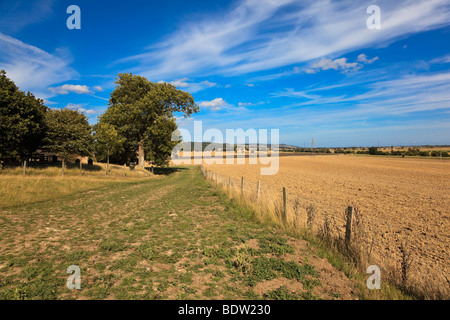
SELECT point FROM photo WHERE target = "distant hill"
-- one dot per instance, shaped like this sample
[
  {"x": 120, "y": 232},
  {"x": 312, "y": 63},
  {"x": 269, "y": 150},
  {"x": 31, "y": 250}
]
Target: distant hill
[{"x": 223, "y": 146}]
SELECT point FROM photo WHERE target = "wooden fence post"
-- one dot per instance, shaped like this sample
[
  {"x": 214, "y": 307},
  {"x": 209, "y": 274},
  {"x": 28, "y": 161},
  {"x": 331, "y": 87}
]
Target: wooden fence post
[
  {"x": 242, "y": 186},
  {"x": 284, "y": 205},
  {"x": 348, "y": 227},
  {"x": 24, "y": 167},
  {"x": 229, "y": 181},
  {"x": 217, "y": 178},
  {"x": 258, "y": 190}
]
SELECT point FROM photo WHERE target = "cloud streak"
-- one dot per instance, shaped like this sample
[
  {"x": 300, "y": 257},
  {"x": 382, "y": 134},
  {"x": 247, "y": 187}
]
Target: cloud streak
[
  {"x": 192, "y": 87},
  {"x": 31, "y": 68},
  {"x": 263, "y": 35}
]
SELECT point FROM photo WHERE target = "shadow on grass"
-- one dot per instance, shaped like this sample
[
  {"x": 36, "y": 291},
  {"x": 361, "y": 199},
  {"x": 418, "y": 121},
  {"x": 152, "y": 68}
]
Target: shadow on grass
[{"x": 166, "y": 170}]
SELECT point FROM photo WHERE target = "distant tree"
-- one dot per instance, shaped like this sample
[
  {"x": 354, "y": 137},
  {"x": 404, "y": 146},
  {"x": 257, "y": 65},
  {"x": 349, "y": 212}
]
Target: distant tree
[
  {"x": 68, "y": 134},
  {"x": 22, "y": 124},
  {"x": 107, "y": 141},
  {"x": 373, "y": 150},
  {"x": 140, "y": 110}
]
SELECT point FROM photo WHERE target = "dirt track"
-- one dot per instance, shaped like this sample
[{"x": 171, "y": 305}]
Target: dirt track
[{"x": 401, "y": 199}]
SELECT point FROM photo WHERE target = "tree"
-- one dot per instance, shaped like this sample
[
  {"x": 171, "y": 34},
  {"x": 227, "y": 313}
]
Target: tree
[
  {"x": 160, "y": 143},
  {"x": 68, "y": 134},
  {"x": 22, "y": 123},
  {"x": 107, "y": 141},
  {"x": 141, "y": 110}
]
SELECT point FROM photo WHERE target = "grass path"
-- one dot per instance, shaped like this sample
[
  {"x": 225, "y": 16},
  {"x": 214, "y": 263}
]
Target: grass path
[{"x": 171, "y": 238}]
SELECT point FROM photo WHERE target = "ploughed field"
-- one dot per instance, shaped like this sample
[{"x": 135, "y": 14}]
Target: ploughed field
[{"x": 402, "y": 201}]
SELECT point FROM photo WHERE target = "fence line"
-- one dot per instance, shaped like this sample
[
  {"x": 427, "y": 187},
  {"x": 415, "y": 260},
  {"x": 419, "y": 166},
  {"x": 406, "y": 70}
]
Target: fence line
[
  {"x": 346, "y": 226},
  {"x": 289, "y": 206}
]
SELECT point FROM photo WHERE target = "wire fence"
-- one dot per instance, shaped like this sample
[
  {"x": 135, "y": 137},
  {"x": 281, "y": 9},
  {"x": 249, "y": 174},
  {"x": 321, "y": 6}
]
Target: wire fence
[{"x": 345, "y": 227}]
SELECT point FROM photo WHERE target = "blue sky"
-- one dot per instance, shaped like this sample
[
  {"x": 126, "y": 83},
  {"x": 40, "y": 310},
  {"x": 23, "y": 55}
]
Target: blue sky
[{"x": 311, "y": 69}]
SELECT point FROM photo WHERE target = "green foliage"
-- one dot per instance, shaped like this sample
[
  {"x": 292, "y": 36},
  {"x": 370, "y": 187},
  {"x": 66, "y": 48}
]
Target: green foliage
[
  {"x": 276, "y": 245},
  {"x": 438, "y": 154},
  {"x": 113, "y": 245},
  {"x": 159, "y": 144},
  {"x": 142, "y": 112},
  {"x": 281, "y": 293},
  {"x": 413, "y": 152},
  {"x": 107, "y": 141},
  {"x": 375, "y": 151},
  {"x": 68, "y": 133},
  {"x": 270, "y": 268},
  {"x": 22, "y": 124}
]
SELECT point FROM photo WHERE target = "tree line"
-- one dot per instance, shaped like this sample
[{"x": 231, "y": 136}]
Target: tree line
[{"x": 138, "y": 124}]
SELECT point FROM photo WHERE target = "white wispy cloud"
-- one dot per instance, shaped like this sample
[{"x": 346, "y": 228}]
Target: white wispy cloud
[
  {"x": 68, "y": 88},
  {"x": 193, "y": 87},
  {"x": 259, "y": 35},
  {"x": 214, "y": 105},
  {"x": 444, "y": 59},
  {"x": 247, "y": 104},
  {"x": 18, "y": 14},
  {"x": 337, "y": 64},
  {"x": 80, "y": 108},
  {"x": 402, "y": 96},
  {"x": 340, "y": 64},
  {"x": 31, "y": 68},
  {"x": 363, "y": 58}
]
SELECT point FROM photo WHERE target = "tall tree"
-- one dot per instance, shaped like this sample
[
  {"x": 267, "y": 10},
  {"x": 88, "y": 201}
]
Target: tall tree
[
  {"x": 107, "y": 141},
  {"x": 68, "y": 134},
  {"x": 22, "y": 123},
  {"x": 140, "y": 110}
]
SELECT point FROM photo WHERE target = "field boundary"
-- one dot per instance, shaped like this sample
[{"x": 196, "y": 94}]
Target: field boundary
[{"x": 339, "y": 229}]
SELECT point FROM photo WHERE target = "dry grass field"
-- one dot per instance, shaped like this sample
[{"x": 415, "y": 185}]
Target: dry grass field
[{"x": 402, "y": 201}]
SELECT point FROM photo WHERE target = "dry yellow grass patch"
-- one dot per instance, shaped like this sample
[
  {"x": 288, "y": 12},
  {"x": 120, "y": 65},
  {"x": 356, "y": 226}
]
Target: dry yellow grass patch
[{"x": 48, "y": 183}]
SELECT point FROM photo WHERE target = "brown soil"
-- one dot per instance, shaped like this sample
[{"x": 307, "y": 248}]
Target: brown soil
[{"x": 402, "y": 200}]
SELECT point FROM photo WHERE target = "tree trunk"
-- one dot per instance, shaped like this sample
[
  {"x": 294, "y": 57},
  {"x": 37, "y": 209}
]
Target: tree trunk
[
  {"x": 24, "y": 167},
  {"x": 141, "y": 154}
]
